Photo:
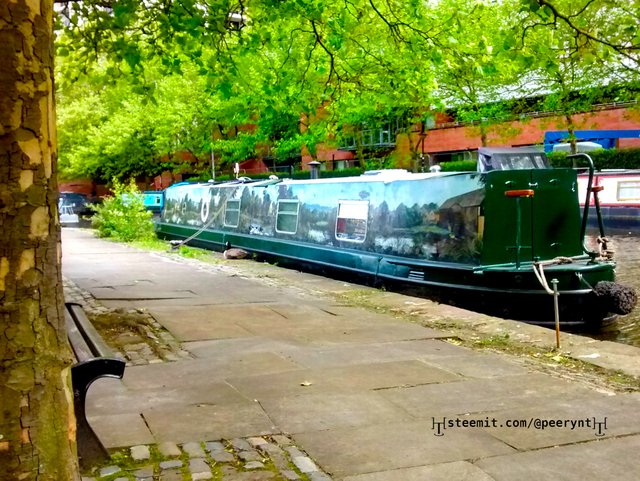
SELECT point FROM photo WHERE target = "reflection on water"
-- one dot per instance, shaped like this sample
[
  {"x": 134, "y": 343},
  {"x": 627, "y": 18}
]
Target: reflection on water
[{"x": 627, "y": 255}]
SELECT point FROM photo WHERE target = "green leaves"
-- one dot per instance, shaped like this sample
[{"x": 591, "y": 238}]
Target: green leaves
[
  {"x": 123, "y": 216},
  {"x": 156, "y": 78}
]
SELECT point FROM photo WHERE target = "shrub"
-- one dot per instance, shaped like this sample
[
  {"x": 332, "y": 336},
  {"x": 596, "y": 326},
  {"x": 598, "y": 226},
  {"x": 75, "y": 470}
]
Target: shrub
[
  {"x": 123, "y": 216},
  {"x": 459, "y": 166},
  {"x": 602, "y": 159},
  {"x": 330, "y": 174}
]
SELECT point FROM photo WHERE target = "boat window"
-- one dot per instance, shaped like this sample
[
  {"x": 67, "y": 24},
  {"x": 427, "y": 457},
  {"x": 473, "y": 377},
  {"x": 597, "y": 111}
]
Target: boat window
[
  {"x": 287, "y": 216},
  {"x": 629, "y": 190},
  {"x": 232, "y": 213},
  {"x": 351, "y": 223}
]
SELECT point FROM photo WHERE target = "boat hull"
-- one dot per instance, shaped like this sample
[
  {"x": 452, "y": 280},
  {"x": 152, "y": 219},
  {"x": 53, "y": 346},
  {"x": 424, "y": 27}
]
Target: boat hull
[
  {"x": 491, "y": 241},
  {"x": 504, "y": 291}
]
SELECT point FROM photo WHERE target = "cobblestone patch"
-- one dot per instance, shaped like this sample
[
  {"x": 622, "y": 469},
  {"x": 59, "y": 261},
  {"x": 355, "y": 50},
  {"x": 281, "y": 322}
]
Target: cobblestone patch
[
  {"x": 252, "y": 459},
  {"x": 133, "y": 334}
]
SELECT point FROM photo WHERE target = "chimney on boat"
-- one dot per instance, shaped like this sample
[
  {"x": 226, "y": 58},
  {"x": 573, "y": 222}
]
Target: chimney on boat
[{"x": 315, "y": 169}]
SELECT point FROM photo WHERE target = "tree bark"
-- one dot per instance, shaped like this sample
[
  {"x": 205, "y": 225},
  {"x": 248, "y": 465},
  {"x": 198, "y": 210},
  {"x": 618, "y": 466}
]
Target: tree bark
[
  {"x": 37, "y": 428},
  {"x": 571, "y": 129}
]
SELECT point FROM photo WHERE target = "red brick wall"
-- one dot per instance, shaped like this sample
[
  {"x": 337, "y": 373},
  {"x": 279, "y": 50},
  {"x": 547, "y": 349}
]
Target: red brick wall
[
  {"x": 81, "y": 186},
  {"x": 253, "y": 166},
  {"x": 164, "y": 180},
  {"x": 513, "y": 134},
  {"x": 326, "y": 154},
  {"x": 531, "y": 131},
  {"x": 84, "y": 186}
]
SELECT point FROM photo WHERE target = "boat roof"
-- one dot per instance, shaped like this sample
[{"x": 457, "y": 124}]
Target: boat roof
[
  {"x": 511, "y": 158},
  {"x": 385, "y": 176}
]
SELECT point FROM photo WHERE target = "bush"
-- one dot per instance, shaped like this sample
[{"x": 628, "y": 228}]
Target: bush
[
  {"x": 330, "y": 174},
  {"x": 602, "y": 159},
  {"x": 459, "y": 166},
  {"x": 123, "y": 216}
]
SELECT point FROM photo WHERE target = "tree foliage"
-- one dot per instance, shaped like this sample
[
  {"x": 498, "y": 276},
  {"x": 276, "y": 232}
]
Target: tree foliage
[
  {"x": 148, "y": 80},
  {"x": 602, "y": 29}
]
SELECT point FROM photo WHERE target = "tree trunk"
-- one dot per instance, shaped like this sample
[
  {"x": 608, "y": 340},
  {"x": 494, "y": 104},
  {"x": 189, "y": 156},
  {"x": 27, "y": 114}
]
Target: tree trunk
[
  {"x": 483, "y": 134},
  {"x": 571, "y": 129},
  {"x": 37, "y": 433}
]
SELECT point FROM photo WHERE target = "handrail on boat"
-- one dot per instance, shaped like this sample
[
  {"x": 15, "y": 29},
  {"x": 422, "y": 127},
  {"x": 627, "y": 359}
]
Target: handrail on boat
[{"x": 585, "y": 214}]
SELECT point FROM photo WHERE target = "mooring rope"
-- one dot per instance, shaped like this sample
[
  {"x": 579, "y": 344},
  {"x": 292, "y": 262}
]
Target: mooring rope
[
  {"x": 540, "y": 273},
  {"x": 214, "y": 216}
]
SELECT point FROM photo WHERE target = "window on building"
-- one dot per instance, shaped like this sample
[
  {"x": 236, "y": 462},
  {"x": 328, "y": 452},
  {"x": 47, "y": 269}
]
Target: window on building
[
  {"x": 629, "y": 190},
  {"x": 351, "y": 224},
  {"x": 287, "y": 216},
  {"x": 232, "y": 213}
]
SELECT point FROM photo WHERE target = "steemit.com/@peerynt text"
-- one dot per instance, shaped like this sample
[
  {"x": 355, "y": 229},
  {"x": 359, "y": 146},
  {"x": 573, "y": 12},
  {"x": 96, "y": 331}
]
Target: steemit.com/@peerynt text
[{"x": 596, "y": 424}]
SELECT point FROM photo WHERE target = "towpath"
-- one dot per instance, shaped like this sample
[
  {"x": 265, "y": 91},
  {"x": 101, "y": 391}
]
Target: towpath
[{"x": 272, "y": 376}]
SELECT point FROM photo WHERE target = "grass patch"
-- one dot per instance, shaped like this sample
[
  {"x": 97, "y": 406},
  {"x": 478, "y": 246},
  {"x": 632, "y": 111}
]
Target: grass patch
[
  {"x": 497, "y": 341},
  {"x": 153, "y": 244},
  {"x": 363, "y": 298},
  {"x": 189, "y": 252}
]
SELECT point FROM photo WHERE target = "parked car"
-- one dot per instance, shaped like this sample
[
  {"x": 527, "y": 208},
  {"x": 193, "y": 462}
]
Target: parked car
[{"x": 79, "y": 203}]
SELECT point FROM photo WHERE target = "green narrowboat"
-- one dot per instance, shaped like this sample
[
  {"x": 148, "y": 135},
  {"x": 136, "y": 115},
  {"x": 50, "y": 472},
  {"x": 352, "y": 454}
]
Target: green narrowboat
[{"x": 495, "y": 240}]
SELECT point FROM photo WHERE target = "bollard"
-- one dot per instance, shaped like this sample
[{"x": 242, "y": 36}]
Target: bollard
[{"x": 556, "y": 311}]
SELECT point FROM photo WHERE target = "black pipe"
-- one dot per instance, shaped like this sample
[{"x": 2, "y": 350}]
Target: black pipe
[{"x": 585, "y": 214}]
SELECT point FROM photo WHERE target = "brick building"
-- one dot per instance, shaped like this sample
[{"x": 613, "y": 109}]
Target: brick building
[{"x": 446, "y": 140}]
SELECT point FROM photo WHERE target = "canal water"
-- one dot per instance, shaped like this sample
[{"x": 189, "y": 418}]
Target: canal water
[{"x": 627, "y": 255}]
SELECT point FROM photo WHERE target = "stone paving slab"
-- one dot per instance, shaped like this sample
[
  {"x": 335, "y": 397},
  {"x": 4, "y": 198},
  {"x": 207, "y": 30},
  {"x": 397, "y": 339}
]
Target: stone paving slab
[
  {"x": 610, "y": 459},
  {"x": 231, "y": 349},
  {"x": 349, "y": 354},
  {"x": 456, "y": 471},
  {"x": 475, "y": 364},
  {"x": 346, "y": 452},
  {"x": 327, "y": 410},
  {"x": 588, "y": 419},
  {"x": 284, "y": 384},
  {"x": 206, "y": 421},
  {"x": 199, "y": 371},
  {"x": 294, "y": 321},
  {"x": 129, "y": 292},
  {"x": 199, "y": 323},
  {"x": 194, "y": 322},
  {"x": 385, "y": 375},
  {"x": 105, "y": 400},
  {"x": 609, "y": 355},
  {"x": 309, "y": 311},
  {"x": 121, "y": 429},
  {"x": 484, "y": 395},
  {"x": 337, "y": 334}
]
